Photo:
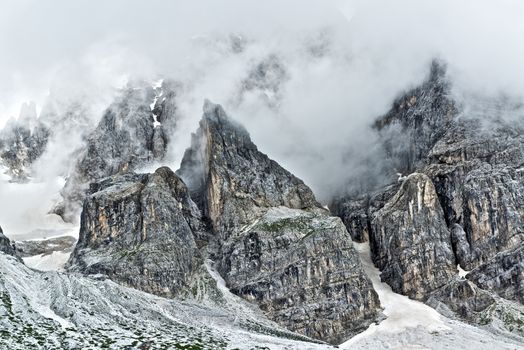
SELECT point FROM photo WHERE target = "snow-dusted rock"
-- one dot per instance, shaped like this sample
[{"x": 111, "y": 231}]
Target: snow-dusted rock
[
  {"x": 22, "y": 142},
  {"x": 473, "y": 157},
  {"x": 301, "y": 268},
  {"x": 410, "y": 241},
  {"x": 6, "y": 246},
  {"x": 273, "y": 243},
  {"x": 135, "y": 130},
  {"x": 139, "y": 230}
]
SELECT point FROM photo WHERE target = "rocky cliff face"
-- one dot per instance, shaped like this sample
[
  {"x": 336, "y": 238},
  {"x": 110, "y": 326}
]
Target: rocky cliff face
[
  {"x": 410, "y": 240},
  {"x": 301, "y": 269},
  {"x": 133, "y": 132},
  {"x": 139, "y": 230},
  {"x": 417, "y": 121},
  {"x": 465, "y": 300},
  {"x": 357, "y": 212},
  {"x": 504, "y": 274},
  {"x": 462, "y": 297},
  {"x": 274, "y": 244},
  {"x": 6, "y": 246},
  {"x": 479, "y": 181},
  {"x": 231, "y": 180},
  {"x": 271, "y": 241},
  {"x": 474, "y": 159},
  {"x": 471, "y": 159}
]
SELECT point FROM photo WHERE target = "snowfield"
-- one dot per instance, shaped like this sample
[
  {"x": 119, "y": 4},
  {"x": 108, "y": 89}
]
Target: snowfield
[{"x": 54, "y": 310}]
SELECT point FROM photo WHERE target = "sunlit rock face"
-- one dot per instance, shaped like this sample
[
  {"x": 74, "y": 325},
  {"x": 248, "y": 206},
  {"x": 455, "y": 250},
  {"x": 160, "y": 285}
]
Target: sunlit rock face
[
  {"x": 275, "y": 245},
  {"x": 410, "y": 240},
  {"x": 139, "y": 230}
]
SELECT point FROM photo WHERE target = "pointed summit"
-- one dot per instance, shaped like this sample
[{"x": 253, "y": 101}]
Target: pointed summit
[
  {"x": 230, "y": 179},
  {"x": 272, "y": 242}
]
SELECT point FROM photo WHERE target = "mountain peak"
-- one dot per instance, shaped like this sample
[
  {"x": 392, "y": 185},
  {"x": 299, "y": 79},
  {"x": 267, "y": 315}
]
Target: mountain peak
[{"x": 223, "y": 163}]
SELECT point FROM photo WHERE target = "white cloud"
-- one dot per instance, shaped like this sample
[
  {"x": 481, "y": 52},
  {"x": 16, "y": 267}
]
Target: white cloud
[{"x": 373, "y": 49}]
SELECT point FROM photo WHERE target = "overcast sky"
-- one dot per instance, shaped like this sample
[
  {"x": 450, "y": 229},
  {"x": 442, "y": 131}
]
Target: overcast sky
[
  {"x": 375, "y": 50},
  {"x": 40, "y": 38}
]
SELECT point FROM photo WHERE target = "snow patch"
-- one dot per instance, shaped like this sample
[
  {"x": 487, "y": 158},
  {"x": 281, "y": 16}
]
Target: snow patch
[
  {"x": 50, "y": 262},
  {"x": 46, "y": 311},
  {"x": 461, "y": 272},
  {"x": 152, "y": 105}
]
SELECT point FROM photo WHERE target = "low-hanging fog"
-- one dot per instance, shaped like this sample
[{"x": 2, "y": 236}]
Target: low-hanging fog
[{"x": 336, "y": 66}]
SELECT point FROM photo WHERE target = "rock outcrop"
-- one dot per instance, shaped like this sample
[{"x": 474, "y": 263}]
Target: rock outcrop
[
  {"x": 139, "y": 230},
  {"x": 271, "y": 241},
  {"x": 410, "y": 241},
  {"x": 27, "y": 248},
  {"x": 479, "y": 182},
  {"x": 301, "y": 269},
  {"x": 231, "y": 180},
  {"x": 6, "y": 246},
  {"x": 504, "y": 275},
  {"x": 134, "y": 131},
  {"x": 22, "y": 141},
  {"x": 275, "y": 245},
  {"x": 357, "y": 213},
  {"x": 417, "y": 121},
  {"x": 463, "y": 298},
  {"x": 474, "y": 157},
  {"x": 473, "y": 154}
]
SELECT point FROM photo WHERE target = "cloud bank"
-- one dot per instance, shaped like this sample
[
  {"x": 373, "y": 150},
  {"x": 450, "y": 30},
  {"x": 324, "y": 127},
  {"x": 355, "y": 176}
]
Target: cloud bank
[{"x": 325, "y": 69}]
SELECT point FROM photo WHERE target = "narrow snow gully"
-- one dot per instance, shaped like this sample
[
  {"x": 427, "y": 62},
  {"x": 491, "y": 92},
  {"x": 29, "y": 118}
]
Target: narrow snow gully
[{"x": 402, "y": 313}]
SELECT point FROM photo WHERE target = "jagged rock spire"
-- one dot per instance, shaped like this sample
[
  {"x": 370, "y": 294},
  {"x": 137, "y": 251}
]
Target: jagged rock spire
[
  {"x": 231, "y": 180},
  {"x": 276, "y": 246}
]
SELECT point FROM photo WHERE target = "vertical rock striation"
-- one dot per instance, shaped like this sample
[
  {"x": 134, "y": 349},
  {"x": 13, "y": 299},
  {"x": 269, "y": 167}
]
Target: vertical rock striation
[
  {"x": 139, "y": 230},
  {"x": 471, "y": 155},
  {"x": 275, "y": 245},
  {"x": 410, "y": 241}
]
